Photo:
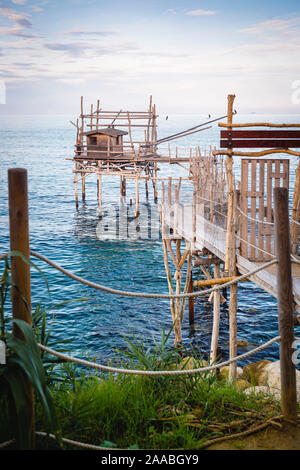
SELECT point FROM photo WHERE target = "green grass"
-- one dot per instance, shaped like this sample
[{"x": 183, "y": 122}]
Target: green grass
[
  {"x": 153, "y": 413},
  {"x": 143, "y": 412}
]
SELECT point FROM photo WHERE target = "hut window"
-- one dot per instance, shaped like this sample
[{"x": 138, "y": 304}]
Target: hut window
[{"x": 93, "y": 140}]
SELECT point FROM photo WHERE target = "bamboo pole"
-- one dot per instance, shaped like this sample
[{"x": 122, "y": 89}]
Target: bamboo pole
[
  {"x": 285, "y": 304},
  {"x": 216, "y": 281},
  {"x": 20, "y": 271}
]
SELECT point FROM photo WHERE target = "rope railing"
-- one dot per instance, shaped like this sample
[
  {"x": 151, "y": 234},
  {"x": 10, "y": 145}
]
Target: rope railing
[
  {"x": 117, "y": 370},
  {"x": 254, "y": 246},
  {"x": 146, "y": 294},
  {"x": 252, "y": 218}
]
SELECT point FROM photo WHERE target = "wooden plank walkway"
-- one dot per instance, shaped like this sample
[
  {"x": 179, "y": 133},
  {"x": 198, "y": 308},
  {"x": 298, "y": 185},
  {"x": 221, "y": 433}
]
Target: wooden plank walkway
[{"x": 213, "y": 237}]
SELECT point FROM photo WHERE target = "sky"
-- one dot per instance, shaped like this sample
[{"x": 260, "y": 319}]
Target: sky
[{"x": 187, "y": 54}]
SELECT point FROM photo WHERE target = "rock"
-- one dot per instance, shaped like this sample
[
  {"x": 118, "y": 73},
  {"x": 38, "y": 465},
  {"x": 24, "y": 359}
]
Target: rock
[
  {"x": 272, "y": 375},
  {"x": 242, "y": 384},
  {"x": 267, "y": 373},
  {"x": 192, "y": 363},
  {"x": 224, "y": 372},
  {"x": 255, "y": 372},
  {"x": 263, "y": 390}
]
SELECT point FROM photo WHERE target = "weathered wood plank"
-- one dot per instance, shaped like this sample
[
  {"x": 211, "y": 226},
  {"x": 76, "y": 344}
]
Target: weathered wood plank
[{"x": 280, "y": 143}]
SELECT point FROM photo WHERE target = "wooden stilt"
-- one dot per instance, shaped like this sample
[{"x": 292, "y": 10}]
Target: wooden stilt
[
  {"x": 99, "y": 193},
  {"x": 178, "y": 285},
  {"x": 146, "y": 189},
  {"x": 137, "y": 197},
  {"x": 75, "y": 187},
  {"x": 216, "y": 320},
  {"x": 155, "y": 184},
  {"x": 191, "y": 300},
  {"x": 83, "y": 186},
  {"x": 169, "y": 279}
]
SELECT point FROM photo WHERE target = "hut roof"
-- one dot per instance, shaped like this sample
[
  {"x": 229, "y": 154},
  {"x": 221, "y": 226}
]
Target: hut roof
[{"x": 108, "y": 131}]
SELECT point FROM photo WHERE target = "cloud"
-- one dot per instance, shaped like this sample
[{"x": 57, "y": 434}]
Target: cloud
[
  {"x": 201, "y": 12},
  {"x": 286, "y": 27},
  {"x": 90, "y": 49},
  {"x": 20, "y": 22},
  {"x": 19, "y": 2},
  {"x": 74, "y": 32},
  {"x": 17, "y": 18},
  {"x": 36, "y": 9}
]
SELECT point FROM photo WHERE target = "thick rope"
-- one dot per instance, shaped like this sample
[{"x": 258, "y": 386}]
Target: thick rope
[
  {"x": 82, "y": 445},
  {"x": 208, "y": 443},
  {"x": 254, "y": 246},
  {"x": 295, "y": 222},
  {"x": 156, "y": 372},
  {"x": 7, "y": 443},
  {"x": 252, "y": 218},
  {"x": 145, "y": 294}
]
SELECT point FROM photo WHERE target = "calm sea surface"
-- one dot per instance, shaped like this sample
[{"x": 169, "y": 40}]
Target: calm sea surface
[{"x": 69, "y": 237}]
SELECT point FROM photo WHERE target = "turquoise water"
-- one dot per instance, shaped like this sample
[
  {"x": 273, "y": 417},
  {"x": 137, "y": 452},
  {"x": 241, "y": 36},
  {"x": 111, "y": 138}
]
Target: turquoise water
[{"x": 98, "y": 326}]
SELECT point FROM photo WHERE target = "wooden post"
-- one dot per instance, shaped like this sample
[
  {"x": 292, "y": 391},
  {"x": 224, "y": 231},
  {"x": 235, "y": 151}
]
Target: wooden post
[
  {"x": 230, "y": 258},
  {"x": 20, "y": 271},
  {"x": 285, "y": 304}
]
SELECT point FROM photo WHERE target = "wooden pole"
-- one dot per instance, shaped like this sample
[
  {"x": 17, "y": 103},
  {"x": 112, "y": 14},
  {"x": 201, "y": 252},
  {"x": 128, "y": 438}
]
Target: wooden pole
[
  {"x": 75, "y": 187},
  {"x": 285, "y": 304},
  {"x": 146, "y": 189},
  {"x": 137, "y": 197},
  {"x": 100, "y": 192},
  {"x": 83, "y": 186},
  {"x": 191, "y": 300},
  {"x": 230, "y": 258},
  {"x": 155, "y": 184},
  {"x": 20, "y": 271},
  {"x": 216, "y": 319}
]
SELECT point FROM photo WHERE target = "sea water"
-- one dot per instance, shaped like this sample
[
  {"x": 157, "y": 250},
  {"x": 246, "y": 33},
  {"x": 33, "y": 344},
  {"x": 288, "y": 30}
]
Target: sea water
[{"x": 97, "y": 322}]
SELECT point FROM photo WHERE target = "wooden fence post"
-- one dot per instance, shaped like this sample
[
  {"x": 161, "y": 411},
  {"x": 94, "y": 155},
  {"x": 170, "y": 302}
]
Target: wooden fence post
[
  {"x": 20, "y": 271},
  {"x": 285, "y": 304}
]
